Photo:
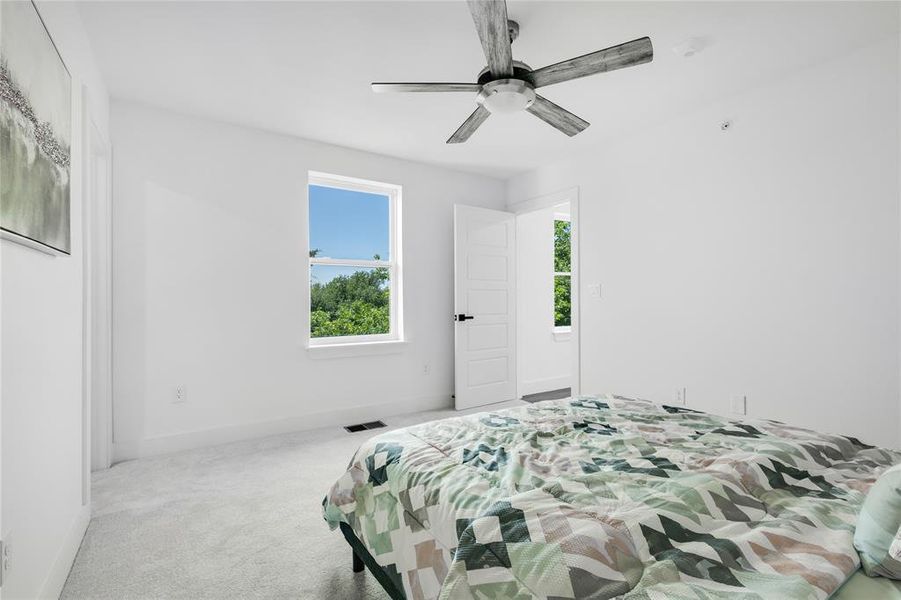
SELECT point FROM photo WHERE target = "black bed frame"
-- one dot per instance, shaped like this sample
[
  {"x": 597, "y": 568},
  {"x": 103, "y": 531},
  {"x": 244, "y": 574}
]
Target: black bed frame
[{"x": 361, "y": 557}]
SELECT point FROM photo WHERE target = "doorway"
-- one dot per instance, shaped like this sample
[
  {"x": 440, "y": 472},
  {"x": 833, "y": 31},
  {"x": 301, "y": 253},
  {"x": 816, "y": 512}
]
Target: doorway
[
  {"x": 547, "y": 303},
  {"x": 516, "y": 306}
]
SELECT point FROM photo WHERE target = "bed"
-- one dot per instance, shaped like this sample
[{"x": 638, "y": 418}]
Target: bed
[{"x": 605, "y": 497}]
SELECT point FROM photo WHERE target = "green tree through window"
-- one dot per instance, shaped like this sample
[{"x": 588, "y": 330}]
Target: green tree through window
[
  {"x": 562, "y": 273},
  {"x": 354, "y": 304}
]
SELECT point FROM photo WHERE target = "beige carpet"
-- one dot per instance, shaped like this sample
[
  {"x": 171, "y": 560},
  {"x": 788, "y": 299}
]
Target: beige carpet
[{"x": 241, "y": 520}]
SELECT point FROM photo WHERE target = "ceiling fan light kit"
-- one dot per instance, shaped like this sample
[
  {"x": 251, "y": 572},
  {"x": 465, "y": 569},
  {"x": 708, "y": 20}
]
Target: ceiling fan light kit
[
  {"x": 506, "y": 96},
  {"x": 508, "y": 86}
]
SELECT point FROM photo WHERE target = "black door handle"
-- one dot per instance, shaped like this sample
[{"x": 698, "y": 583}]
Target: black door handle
[{"x": 462, "y": 317}]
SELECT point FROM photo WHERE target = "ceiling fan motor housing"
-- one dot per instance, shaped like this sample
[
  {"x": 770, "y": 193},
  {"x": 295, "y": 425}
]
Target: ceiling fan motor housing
[
  {"x": 520, "y": 71},
  {"x": 502, "y": 96}
]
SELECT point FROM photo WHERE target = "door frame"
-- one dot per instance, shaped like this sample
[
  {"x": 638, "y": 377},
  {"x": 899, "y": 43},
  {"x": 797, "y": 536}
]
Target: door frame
[
  {"x": 97, "y": 297},
  {"x": 570, "y": 195}
]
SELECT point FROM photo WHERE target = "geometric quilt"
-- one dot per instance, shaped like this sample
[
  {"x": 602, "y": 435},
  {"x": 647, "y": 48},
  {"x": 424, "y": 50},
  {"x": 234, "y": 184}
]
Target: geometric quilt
[{"x": 608, "y": 497}]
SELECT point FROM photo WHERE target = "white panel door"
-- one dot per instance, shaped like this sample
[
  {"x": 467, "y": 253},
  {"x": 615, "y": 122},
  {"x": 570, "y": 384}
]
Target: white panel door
[{"x": 484, "y": 306}]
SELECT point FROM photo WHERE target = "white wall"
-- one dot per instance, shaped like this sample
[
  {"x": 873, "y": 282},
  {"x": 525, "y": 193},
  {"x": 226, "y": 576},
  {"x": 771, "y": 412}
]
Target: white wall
[
  {"x": 544, "y": 362},
  {"x": 210, "y": 241},
  {"x": 761, "y": 261},
  {"x": 42, "y": 512}
]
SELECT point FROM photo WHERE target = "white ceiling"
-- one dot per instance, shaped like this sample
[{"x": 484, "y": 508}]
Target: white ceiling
[{"x": 304, "y": 68}]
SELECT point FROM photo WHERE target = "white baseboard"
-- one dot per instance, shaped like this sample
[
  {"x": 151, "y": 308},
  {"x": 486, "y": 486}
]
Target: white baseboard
[
  {"x": 62, "y": 564},
  {"x": 536, "y": 386},
  {"x": 126, "y": 450}
]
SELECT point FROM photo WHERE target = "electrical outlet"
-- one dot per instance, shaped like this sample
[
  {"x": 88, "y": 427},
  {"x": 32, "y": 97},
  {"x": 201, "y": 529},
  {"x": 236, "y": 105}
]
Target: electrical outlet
[
  {"x": 426, "y": 368},
  {"x": 181, "y": 395},
  {"x": 681, "y": 396},
  {"x": 740, "y": 404}
]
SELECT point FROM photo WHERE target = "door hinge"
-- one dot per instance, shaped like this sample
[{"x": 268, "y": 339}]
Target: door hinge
[{"x": 4, "y": 561}]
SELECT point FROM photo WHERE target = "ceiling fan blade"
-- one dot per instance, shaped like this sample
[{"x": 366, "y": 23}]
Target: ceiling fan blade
[
  {"x": 557, "y": 117},
  {"x": 471, "y": 123},
  {"x": 490, "y": 18},
  {"x": 381, "y": 88},
  {"x": 632, "y": 53}
]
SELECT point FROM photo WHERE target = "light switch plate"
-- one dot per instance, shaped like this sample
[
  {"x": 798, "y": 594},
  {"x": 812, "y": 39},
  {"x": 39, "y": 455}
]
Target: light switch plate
[
  {"x": 594, "y": 290},
  {"x": 181, "y": 395}
]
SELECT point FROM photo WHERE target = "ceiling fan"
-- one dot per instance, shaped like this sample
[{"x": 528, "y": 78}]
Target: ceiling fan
[{"x": 508, "y": 85}]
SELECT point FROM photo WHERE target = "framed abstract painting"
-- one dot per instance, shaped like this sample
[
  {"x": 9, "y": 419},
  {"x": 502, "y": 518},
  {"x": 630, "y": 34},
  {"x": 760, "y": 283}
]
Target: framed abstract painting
[{"x": 35, "y": 132}]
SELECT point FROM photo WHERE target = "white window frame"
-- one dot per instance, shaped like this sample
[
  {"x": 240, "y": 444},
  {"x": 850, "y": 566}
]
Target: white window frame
[
  {"x": 563, "y": 332},
  {"x": 395, "y": 272}
]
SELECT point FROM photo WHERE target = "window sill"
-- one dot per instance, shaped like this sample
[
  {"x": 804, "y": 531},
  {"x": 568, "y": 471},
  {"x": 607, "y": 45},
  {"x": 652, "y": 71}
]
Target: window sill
[
  {"x": 349, "y": 350},
  {"x": 562, "y": 334}
]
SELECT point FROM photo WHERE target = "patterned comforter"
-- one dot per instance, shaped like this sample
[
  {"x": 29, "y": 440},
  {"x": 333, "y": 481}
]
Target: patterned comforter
[{"x": 602, "y": 497}]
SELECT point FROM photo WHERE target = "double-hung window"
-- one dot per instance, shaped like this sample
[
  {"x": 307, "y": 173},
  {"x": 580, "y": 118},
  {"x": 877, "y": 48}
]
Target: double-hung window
[
  {"x": 562, "y": 274},
  {"x": 355, "y": 266}
]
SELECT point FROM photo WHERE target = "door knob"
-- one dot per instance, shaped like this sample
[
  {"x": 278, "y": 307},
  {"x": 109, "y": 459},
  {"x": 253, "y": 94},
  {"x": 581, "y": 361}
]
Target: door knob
[{"x": 462, "y": 317}]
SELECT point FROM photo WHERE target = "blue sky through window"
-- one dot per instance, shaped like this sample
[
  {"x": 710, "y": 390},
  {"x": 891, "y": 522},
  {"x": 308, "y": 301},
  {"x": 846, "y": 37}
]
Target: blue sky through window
[{"x": 347, "y": 224}]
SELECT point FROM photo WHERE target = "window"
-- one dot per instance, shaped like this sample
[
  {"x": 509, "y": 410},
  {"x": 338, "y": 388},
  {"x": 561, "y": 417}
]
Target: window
[
  {"x": 562, "y": 274},
  {"x": 354, "y": 255}
]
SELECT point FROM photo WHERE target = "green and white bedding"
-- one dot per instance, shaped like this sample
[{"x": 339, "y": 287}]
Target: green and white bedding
[
  {"x": 878, "y": 534},
  {"x": 603, "y": 497}
]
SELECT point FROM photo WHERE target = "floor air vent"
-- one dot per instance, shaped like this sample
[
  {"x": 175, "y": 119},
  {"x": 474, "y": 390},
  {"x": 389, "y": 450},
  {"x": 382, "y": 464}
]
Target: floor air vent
[{"x": 364, "y": 426}]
